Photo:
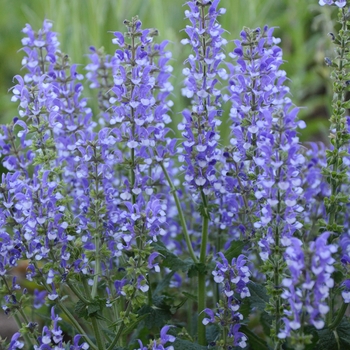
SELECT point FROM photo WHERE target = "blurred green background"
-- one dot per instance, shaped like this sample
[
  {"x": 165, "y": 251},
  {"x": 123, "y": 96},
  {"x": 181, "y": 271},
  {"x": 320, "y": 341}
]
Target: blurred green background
[{"x": 301, "y": 24}]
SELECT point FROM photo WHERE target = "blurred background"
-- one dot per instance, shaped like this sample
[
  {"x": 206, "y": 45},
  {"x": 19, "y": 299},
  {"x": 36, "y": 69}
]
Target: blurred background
[{"x": 301, "y": 24}]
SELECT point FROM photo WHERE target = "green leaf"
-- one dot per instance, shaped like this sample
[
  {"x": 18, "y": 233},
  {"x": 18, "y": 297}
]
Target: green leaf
[
  {"x": 86, "y": 310},
  {"x": 335, "y": 339},
  {"x": 254, "y": 341},
  {"x": 180, "y": 344},
  {"x": 197, "y": 268},
  {"x": 171, "y": 260},
  {"x": 245, "y": 308},
  {"x": 190, "y": 296},
  {"x": 81, "y": 310},
  {"x": 235, "y": 250},
  {"x": 155, "y": 317},
  {"x": 266, "y": 322},
  {"x": 92, "y": 308},
  {"x": 212, "y": 333},
  {"x": 326, "y": 340},
  {"x": 259, "y": 297},
  {"x": 343, "y": 331},
  {"x": 311, "y": 330},
  {"x": 164, "y": 283},
  {"x": 132, "y": 325}
]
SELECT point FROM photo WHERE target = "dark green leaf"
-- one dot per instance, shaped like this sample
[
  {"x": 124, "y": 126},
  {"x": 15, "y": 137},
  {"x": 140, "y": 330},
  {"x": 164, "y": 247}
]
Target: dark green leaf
[
  {"x": 266, "y": 321},
  {"x": 162, "y": 301},
  {"x": 234, "y": 250},
  {"x": 133, "y": 325},
  {"x": 164, "y": 283},
  {"x": 86, "y": 310},
  {"x": 311, "y": 330},
  {"x": 253, "y": 340},
  {"x": 197, "y": 268},
  {"x": 180, "y": 344},
  {"x": 155, "y": 317},
  {"x": 259, "y": 297},
  {"x": 245, "y": 308},
  {"x": 212, "y": 333},
  {"x": 343, "y": 331},
  {"x": 190, "y": 296},
  {"x": 81, "y": 310},
  {"x": 171, "y": 260},
  {"x": 326, "y": 340},
  {"x": 92, "y": 308},
  {"x": 335, "y": 340}
]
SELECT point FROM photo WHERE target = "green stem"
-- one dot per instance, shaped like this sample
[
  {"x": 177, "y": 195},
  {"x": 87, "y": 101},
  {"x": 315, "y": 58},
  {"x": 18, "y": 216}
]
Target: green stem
[
  {"x": 73, "y": 321},
  {"x": 97, "y": 332},
  {"x": 121, "y": 328},
  {"x": 27, "y": 339},
  {"x": 181, "y": 214},
  {"x": 76, "y": 291},
  {"x": 201, "y": 275},
  {"x": 334, "y": 324},
  {"x": 336, "y": 122},
  {"x": 94, "y": 321},
  {"x": 97, "y": 238},
  {"x": 76, "y": 324},
  {"x": 17, "y": 319}
]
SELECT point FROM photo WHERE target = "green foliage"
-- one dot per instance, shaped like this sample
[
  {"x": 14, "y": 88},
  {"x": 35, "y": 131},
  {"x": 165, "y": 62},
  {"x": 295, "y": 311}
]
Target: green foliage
[
  {"x": 259, "y": 297},
  {"x": 91, "y": 309},
  {"x": 180, "y": 344},
  {"x": 255, "y": 342},
  {"x": 336, "y": 339},
  {"x": 212, "y": 333},
  {"x": 172, "y": 261},
  {"x": 155, "y": 317},
  {"x": 235, "y": 249}
]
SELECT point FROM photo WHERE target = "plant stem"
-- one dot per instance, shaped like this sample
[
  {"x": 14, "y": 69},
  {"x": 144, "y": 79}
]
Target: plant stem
[
  {"x": 201, "y": 274},
  {"x": 338, "y": 130},
  {"x": 121, "y": 328},
  {"x": 181, "y": 214},
  {"x": 334, "y": 324},
  {"x": 97, "y": 332},
  {"x": 27, "y": 339},
  {"x": 97, "y": 235},
  {"x": 76, "y": 324}
]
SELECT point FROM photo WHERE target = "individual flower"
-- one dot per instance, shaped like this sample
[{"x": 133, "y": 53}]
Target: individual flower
[
  {"x": 160, "y": 343},
  {"x": 16, "y": 343},
  {"x": 339, "y": 3},
  {"x": 76, "y": 346}
]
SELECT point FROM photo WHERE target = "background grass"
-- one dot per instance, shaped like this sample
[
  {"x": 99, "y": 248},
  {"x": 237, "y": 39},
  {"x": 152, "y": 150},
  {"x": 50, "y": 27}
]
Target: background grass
[{"x": 301, "y": 24}]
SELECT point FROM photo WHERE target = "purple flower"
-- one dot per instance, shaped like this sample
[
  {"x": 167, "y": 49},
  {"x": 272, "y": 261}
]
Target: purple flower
[
  {"x": 233, "y": 279},
  {"x": 15, "y": 342},
  {"x": 51, "y": 338},
  {"x": 160, "y": 343},
  {"x": 76, "y": 346},
  {"x": 309, "y": 283},
  {"x": 39, "y": 298},
  {"x": 339, "y": 3}
]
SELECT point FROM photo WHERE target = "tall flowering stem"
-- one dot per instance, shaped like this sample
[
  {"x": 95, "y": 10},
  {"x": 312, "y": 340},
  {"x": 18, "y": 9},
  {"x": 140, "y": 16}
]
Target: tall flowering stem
[
  {"x": 265, "y": 148},
  {"x": 200, "y": 152},
  {"x": 233, "y": 279},
  {"x": 336, "y": 170}
]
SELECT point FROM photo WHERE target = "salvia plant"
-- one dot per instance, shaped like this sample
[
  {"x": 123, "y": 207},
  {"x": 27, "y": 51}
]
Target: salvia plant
[{"x": 116, "y": 235}]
